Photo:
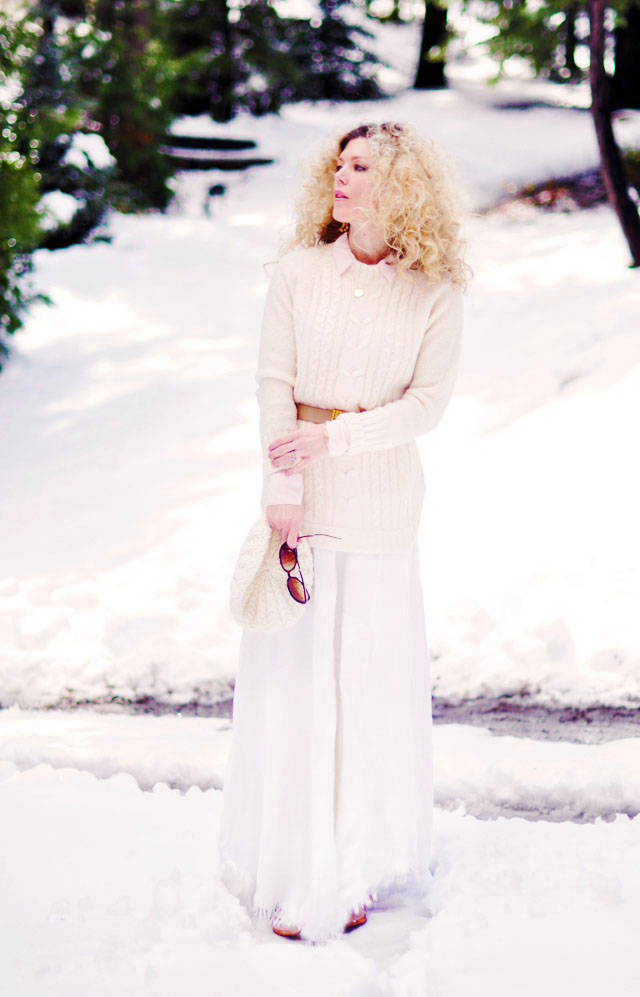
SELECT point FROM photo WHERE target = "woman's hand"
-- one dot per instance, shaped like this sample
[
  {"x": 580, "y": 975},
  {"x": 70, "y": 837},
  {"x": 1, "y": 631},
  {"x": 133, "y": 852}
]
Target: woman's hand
[
  {"x": 305, "y": 445},
  {"x": 286, "y": 520}
]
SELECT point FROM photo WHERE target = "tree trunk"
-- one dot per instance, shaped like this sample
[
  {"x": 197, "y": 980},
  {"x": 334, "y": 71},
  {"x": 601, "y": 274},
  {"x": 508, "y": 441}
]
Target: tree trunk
[
  {"x": 625, "y": 85},
  {"x": 570, "y": 41},
  {"x": 223, "y": 83},
  {"x": 430, "y": 71},
  {"x": 611, "y": 163}
]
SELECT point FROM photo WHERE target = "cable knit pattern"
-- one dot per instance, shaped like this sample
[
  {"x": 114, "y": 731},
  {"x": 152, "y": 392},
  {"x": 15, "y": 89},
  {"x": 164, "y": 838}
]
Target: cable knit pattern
[{"x": 357, "y": 340}]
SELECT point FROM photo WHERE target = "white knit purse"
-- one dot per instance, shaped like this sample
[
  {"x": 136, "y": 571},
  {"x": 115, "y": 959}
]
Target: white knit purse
[{"x": 259, "y": 597}]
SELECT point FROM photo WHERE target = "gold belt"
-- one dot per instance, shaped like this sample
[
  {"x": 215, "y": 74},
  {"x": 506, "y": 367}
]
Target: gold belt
[{"x": 309, "y": 413}]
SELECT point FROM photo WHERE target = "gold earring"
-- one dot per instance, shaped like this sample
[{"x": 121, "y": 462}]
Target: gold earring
[{"x": 344, "y": 227}]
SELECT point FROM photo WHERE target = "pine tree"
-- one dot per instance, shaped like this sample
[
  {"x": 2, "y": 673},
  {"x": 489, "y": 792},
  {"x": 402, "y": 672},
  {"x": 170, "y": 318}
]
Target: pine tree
[
  {"x": 126, "y": 75},
  {"x": 41, "y": 120},
  {"x": 50, "y": 99},
  {"x": 333, "y": 56},
  {"x": 229, "y": 59},
  {"x": 19, "y": 196},
  {"x": 250, "y": 58}
]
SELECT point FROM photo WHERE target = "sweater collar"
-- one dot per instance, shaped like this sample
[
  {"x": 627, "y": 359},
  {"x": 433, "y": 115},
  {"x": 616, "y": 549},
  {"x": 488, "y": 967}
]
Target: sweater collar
[{"x": 343, "y": 258}]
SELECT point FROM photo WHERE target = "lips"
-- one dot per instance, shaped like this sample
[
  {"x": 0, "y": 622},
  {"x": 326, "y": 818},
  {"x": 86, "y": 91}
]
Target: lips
[{"x": 338, "y": 194}]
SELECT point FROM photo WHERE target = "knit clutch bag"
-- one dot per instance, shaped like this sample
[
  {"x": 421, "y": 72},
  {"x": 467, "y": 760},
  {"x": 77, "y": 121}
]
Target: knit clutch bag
[{"x": 259, "y": 598}]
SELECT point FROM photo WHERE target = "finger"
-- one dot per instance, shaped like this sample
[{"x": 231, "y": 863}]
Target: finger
[
  {"x": 284, "y": 460},
  {"x": 292, "y": 536},
  {"x": 286, "y": 464},
  {"x": 300, "y": 459},
  {"x": 283, "y": 451},
  {"x": 282, "y": 441}
]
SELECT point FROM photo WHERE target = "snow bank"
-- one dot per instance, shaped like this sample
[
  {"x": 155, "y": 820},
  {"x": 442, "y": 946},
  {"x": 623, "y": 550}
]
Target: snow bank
[{"x": 485, "y": 775}]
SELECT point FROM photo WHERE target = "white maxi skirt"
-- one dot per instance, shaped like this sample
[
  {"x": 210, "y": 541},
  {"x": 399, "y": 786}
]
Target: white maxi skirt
[{"x": 328, "y": 792}]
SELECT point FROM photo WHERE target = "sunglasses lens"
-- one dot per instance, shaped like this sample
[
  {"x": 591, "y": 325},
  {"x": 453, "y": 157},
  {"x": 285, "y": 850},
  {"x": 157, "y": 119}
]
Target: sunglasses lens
[
  {"x": 288, "y": 558},
  {"x": 297, "y": 590}
]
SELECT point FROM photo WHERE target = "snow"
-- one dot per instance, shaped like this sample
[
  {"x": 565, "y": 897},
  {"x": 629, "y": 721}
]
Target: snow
[
  {"x": 57, "y": 207},
  {"x": 549, "y": 393},
  {"x": 474, "y": 770},
  {"x": 111, "y": 888},
  {"x": 88, "y": 147}
]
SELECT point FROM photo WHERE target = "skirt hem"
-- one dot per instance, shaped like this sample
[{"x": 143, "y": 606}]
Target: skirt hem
[{"x": 323, "y": 928}]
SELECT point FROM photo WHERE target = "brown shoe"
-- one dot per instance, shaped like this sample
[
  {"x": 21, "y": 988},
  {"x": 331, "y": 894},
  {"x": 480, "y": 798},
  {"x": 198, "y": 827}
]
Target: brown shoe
[
  {"x": 286, "y": 930},
  {"x": 357, "y": 918}
]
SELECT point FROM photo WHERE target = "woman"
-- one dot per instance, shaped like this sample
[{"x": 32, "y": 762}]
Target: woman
[{"x": 328, "y": 792}]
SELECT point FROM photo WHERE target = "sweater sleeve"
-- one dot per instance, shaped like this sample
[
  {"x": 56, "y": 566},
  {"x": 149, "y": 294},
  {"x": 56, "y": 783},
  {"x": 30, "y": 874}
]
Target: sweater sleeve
[
  {"x": 423, "y": 403},
  {"x": 276, "y": 376}
]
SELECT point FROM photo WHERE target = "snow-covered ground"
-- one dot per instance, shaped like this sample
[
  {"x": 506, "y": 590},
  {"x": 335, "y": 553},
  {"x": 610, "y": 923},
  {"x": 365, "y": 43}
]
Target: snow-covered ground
[
  {"x": 109, "y": 881},
  {"x": 486, "y": 775}
]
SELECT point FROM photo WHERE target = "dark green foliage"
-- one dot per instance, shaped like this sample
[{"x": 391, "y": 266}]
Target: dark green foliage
[
  {"x": 632, "y": 169},
  {"x": 547, "y": 33},
  {"x": 19, "y": 185},
  {"x": 229, "y": 59},
  {"x": 125, "y": 76},
  {"x": 336, "y": 64},
  {"x": 75, "y": 68},
  {"x": 543, "y": 33},
  {"x": 57, "y": 114},
  {"x": 42, "y": 116},
  {"x": 249, "y": 58},
  {"x": 19, "y": 229}
]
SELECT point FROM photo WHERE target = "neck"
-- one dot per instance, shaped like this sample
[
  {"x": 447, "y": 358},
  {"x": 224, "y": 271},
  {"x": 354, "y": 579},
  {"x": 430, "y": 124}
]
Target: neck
[{"x": 367, "y": 244}]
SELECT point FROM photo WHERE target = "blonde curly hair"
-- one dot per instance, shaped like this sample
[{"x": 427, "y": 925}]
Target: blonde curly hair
[{"x": 414, "y": 201}]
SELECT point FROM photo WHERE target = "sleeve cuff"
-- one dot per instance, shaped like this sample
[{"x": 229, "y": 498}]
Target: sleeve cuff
[
  {"x": 338, "y": 436},
  {"x": 282, "y": 489}
]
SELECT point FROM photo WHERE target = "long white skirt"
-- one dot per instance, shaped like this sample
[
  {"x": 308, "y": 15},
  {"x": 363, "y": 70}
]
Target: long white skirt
[{"x": 328, "y": 792}]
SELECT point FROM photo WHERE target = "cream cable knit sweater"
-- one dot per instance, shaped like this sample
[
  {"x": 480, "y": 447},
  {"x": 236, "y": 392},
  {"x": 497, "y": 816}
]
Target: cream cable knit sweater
[{"x": 347, "y": 337}]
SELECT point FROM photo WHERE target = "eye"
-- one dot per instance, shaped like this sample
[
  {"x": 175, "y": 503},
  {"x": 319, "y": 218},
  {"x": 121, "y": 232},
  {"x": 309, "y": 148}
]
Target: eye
[
  {"x": 361, "y": 169},
  {"x": 338, "y": 167}
]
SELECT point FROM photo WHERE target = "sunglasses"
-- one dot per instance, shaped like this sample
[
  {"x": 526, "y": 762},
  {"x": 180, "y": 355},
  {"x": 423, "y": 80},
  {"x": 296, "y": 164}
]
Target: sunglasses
[{"x": 289, "y": 562}]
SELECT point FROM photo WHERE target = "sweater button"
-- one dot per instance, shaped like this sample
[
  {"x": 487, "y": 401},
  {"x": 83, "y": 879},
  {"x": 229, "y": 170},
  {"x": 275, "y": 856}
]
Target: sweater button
[{"x": 358, "y": 292}]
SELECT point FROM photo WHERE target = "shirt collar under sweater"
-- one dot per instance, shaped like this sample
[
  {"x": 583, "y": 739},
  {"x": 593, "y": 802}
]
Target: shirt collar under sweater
[{"x": 344, "y": 258}]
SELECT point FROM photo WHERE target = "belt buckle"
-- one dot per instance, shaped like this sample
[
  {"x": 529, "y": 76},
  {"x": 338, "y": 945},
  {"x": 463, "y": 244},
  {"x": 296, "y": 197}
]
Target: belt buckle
[{"x": 335, "y": 412}]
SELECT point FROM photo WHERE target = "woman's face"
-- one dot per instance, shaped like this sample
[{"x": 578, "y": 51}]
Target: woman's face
[{"x": 351, "y": 184}]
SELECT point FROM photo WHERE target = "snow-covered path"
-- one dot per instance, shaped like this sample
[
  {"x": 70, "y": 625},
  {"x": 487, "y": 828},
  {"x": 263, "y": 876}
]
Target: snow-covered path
[
  {"x": 487, "y": 775},
  {"x": 111, "y": 888}
]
